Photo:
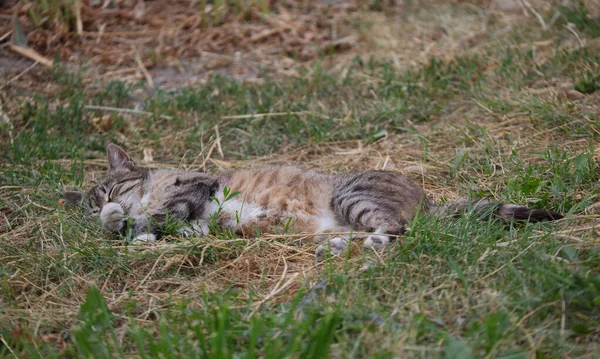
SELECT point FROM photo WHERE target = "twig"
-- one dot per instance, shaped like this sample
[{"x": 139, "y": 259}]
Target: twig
[
  {"x": 78, "y": 22},
  {"x": 534, "y": 311},
  {"x": 100, "y": 33},
  {"x": 378, "y": 256},
  {"x": 42, "y": 207},
  {"x": 581, "y": 46},
  {"x": 285, "y": 269},
  {"x": 555, "y": 17},
  {"x": 11, "y": 187},
  {"x": 122, "y": 34},
  {"x": 147, "y": 75},
  {"x": 210, "y": 151},
  {"x": 124, "y": 110},
  {"x": 274, "y": 293},
  {"x": 580, "y": 229},
  {"x": 5, "y": 36},
  {"x": 272, "y": 114},
  {"x": 527, "y": 5},
  {"x": 218, "y": 141},
  {"x": 275, "y": 22},
  {"x": 19, "y": 75},
  {"x": 275, "y": 290},
  {"x": 7, "y": 346},
  {"x": 178, "y": 246},
  {"x": 150, "y": 272},
  {"x": 202, "y": 254},
  {"x": 31, "y": 54},
  {"x": 112, "y": 73},
  {"x": 119, "y": 72},
  {"x": 264, "y": 34},
  {"x": 343, "y": 43},
  {"x": 509, "y": 262}
]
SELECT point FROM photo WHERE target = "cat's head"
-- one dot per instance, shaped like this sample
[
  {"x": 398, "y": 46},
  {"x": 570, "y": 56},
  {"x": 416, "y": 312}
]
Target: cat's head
[{"x": 120, "y": 167}]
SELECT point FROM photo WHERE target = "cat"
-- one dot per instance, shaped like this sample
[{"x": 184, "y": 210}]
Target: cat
[{"x": 374, "y": 205}]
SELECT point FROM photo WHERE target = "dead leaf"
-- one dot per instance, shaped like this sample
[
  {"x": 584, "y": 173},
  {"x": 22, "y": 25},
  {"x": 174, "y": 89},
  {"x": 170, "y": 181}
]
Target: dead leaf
[
  {"x": 148, "y": 158},
  {"x": 55, "y": 339},
  {"x": 175, "y": 260},
  {"x": 221, "y": 164},
  {"x": 415, "y": 169},
  {"x": 574, "y": 95},
  {"x": 103, "y": 123}
]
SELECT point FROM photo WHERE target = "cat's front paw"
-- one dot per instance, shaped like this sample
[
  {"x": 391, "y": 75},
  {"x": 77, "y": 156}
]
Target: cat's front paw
[
  {"x": 195, "y": 228},
  {"x": 113, "y": 217},
  {"x": 144, "y": 238},
  {"x": 376, "y": 242},
  {"x": 335, "y": 246}
]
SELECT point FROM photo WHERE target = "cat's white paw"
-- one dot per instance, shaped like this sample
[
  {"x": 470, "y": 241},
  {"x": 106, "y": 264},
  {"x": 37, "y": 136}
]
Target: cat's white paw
[
  {"x": 144, "y": 238},
  {"x": 113, "y": 217},
  {"x": 335, "y": 246},
  {"x": 376, "y": 242},
  {"x": 196, "y": 228}
]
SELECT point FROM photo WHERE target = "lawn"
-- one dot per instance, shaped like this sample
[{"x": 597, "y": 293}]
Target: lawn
[{"x": 465, "y": 98}]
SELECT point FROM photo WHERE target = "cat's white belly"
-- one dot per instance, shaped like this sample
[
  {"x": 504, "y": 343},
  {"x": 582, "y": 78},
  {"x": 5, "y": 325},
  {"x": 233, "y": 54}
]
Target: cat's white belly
[
  {"x": 325, "y": 221},
  {"x": 236, "y": 211}
]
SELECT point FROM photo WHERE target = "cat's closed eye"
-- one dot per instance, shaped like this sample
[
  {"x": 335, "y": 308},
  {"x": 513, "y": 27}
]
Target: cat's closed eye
[
  {"x": 93, "y": 207},
  {"x": 103, "y": 193}
]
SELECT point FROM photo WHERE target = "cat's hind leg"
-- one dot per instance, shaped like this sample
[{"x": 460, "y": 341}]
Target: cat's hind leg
[
  {"x": 334, "y": 240},
  {"x": 335, "y": 246},
  {"x": 384, "y": 226},
  {"x": 382, "y": 237},
  {"x": 369, "y": 212}
]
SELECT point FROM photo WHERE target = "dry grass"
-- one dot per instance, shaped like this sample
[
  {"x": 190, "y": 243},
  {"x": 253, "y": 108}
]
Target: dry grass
[
  {"x": 175, "y": 43},
  {"x": 442, "y": 281}
]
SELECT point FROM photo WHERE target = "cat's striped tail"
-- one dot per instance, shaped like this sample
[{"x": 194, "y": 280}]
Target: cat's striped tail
[{"x": 485, "y": 208}]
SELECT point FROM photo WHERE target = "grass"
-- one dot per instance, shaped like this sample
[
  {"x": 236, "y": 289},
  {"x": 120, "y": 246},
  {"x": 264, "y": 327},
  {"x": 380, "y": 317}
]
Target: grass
[
  {"x": 490, "y": 123},
  {"x": 52, "y": 13},
  {"x": 61, "y": 14}
]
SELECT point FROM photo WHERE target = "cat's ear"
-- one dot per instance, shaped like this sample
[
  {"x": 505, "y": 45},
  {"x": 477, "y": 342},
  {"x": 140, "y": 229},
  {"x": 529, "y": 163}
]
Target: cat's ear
[
  {"x": 119, "y": 160},
  {"x": 74, "y": 197}
]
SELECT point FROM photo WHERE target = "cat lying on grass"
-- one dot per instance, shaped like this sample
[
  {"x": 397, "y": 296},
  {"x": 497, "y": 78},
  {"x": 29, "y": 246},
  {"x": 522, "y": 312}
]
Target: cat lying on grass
[{"x": 379, "y": 203}]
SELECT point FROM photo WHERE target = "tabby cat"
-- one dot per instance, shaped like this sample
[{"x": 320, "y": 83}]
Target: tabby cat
[{"x": 376, "y": 203}]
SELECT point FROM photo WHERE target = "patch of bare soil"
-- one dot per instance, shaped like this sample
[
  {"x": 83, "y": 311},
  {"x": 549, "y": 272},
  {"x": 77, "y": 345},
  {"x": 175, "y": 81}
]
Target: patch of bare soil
[
  {"x": 175, "y": 43},
  {"x": 171, "y": 44}
]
